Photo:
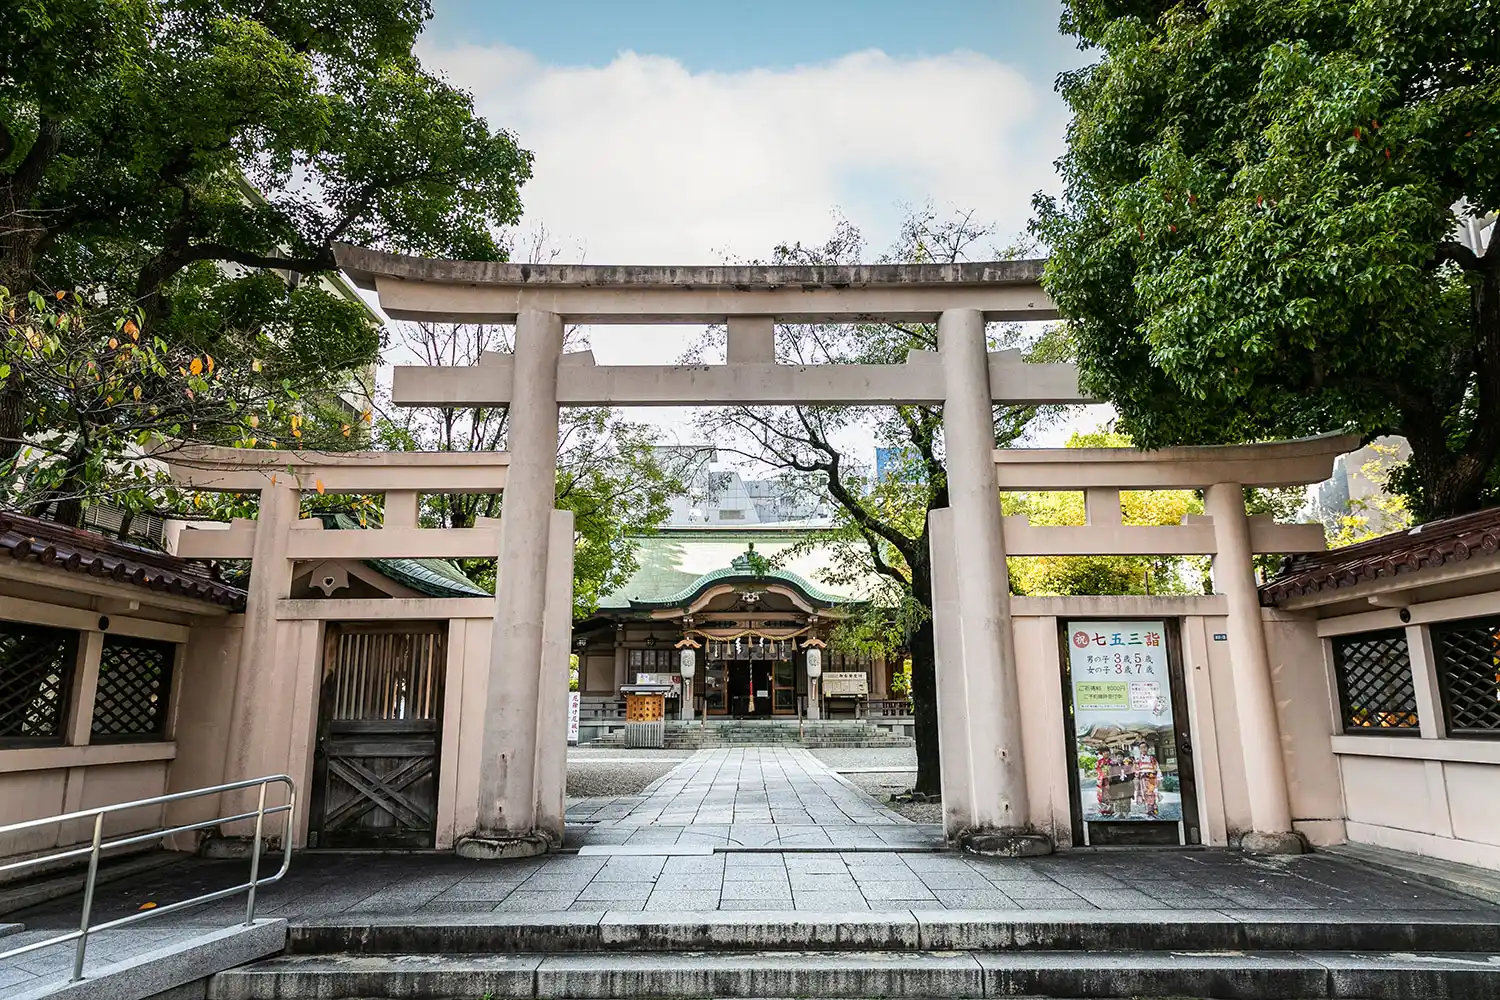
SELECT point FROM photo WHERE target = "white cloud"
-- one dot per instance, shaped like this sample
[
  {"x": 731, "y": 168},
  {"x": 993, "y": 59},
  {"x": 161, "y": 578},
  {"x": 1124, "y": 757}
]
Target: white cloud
[{"x": 643, "y": 161}]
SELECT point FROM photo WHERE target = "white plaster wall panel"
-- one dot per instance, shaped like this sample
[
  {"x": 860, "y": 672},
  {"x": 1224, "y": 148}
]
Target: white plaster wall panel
[
  {"x": 451, "y": 737},
  {"x": 598, "y": 674},
  {"x": 111, "y": 784},
  {"x": 1226, "y": 730},
  {"x": 31, "y": 795},
  {"x": 1301, "y": 689},
  {"x": 1474, "y": 799},
  {"x": 475, "y": 683},
  {"x": 1039, "y": 680},
  {"x": 210, "y": 670},
  {"x": 1386, "y": 791}
]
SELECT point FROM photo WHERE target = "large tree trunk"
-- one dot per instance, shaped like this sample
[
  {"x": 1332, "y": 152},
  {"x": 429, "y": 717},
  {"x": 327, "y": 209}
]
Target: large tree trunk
[
  {"x": 924, "y": 688},
  {"x": 1453, "y": 482}
]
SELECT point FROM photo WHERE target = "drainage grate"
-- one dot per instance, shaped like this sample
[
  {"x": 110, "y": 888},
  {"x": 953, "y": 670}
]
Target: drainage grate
[
  {"x": 1468, "y": 667},
  {"x": 1376, "y": 691}
]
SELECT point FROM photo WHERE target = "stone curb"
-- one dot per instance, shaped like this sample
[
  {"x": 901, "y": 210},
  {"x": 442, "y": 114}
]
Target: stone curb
[
  {"x": 170, "y": 966},
  {"x": 866, "y": 974},
  {"x": 1466, "y": 880},
  {"x": 901, "y": 930}
]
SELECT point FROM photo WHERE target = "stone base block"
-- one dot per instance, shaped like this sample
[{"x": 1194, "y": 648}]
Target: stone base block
[
  {"x": 1273, "y": 843},
  {"x": 1006, "y": 843},
  {"x": 503, "y": 846}
]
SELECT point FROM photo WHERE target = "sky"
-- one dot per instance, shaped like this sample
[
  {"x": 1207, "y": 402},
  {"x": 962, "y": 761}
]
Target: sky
[{"x": 671, "y": 132}]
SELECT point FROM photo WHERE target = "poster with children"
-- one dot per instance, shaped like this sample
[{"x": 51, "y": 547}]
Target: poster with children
[{"x": 1125, "y": 746}]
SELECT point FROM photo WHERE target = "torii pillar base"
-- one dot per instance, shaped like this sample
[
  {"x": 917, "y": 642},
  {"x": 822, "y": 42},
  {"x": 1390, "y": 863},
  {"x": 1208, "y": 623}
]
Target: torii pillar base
[
  {"x": 503, "y": 848},
  {"x": 1006, "y": 843}
]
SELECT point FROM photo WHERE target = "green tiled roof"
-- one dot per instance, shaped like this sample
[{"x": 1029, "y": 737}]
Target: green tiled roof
[
  {"x": 433, "y": 577},
  {"x": 676, "y": 563}
]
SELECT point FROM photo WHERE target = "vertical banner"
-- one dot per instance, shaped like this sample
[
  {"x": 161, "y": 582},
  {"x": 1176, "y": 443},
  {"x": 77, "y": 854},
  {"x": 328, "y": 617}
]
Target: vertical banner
[
  {"x": 1125, "y": 746},
  {"x": 573, "y": 717}
]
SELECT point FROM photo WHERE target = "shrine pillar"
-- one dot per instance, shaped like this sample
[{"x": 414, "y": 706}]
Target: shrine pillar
[
  {"x": 507, "y": 823},
  {"x": 1250, "y": 667},
  {"x": 998, "y": 819}
]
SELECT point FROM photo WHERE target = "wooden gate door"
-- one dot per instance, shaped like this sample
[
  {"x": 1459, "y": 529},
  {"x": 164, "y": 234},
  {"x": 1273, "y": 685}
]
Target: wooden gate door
[{"x": 380, "y": 718}]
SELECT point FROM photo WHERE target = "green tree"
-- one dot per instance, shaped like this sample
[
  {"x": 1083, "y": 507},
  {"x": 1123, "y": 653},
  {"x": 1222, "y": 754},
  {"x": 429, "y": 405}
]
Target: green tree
[
  {"x": 198, "y": 161},
  {"x": 1258, "y": 235},
  {"x": 1101, "y": 574},
  {"x": 880, "y": 526}
]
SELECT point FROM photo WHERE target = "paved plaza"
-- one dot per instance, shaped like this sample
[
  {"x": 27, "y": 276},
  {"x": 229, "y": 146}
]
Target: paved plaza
[
  {"x": 770, "y": 798},
  {"x": 736, "y": 830}
]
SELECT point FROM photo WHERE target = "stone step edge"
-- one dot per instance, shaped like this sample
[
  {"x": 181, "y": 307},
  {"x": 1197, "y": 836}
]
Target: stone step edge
[
  {"x": 898, "y": 931},
  {"x": 1303, "y": 974}
]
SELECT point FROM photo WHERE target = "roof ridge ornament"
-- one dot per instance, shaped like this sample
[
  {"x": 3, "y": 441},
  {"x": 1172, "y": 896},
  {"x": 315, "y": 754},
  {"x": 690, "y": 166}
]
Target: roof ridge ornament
[{"x": 751, "y": 562}]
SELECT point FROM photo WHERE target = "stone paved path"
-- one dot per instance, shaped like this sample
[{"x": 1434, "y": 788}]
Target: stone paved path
[
  {"x": 769, "y": 829},
  {"x": 767, "y": 798}
]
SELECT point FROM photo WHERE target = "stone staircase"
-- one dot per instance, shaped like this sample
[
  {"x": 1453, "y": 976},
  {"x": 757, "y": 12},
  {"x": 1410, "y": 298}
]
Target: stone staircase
[
  {"x": 825, "y": 733},
  {"x": 901, "y": 954}
]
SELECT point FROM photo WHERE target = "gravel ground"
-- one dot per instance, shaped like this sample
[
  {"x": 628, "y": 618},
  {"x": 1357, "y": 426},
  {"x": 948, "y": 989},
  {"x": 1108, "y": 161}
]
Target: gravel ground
[
  {"x": 881, "y": 785},
  {"x": 617, "y": 771}
]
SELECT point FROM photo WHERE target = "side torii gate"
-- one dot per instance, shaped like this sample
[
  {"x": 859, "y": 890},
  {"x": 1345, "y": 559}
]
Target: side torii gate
[{"x": 962, "y": 376}]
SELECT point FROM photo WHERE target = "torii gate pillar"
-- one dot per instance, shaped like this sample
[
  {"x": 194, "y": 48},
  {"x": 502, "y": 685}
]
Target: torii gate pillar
[
  {"x": 507, "y": 825},
  {"x": 998, "y": 819}
]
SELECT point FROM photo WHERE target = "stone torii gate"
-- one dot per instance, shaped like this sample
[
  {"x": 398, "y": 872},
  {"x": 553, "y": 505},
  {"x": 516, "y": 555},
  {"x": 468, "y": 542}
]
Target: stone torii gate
[{"x": 962, "y": 376}]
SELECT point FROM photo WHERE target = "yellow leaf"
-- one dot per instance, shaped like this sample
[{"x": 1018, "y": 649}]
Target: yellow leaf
[
  {"x": 61, "y": 296},
  {"x": 319, "y": 484},
  {"x": 137, "y": 394},
  {"x": 209, "y": 358},
  {"x": 368, "y": 417},
  {"x": 296, "y": 433},
  {"x": 113, "y": 343},
  {"x": 250, "y": 442},
  {"x": 255, "y": 365},
  {"x": 196, "y": 366},
  {"x": 182, "y": 370},
  {"x": 131, "y": 329},
  {"x": 346, "y": 430}
]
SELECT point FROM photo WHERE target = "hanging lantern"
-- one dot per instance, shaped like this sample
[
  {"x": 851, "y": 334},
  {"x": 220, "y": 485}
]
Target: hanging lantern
[
  {"x": 686, "y": 664},
  {"x": 814, "y": 662}
]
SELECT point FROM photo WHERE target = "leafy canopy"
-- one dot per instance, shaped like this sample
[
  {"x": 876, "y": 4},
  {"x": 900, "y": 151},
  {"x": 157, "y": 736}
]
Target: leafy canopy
[
  {"x": 1257, "y": 238},
  {"x": 194, "y": 162}
]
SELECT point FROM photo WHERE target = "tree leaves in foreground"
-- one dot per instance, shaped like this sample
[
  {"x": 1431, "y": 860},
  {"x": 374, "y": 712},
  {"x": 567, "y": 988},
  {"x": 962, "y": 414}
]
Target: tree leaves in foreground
[
  {"x": 198, "y": 161},
  {"x": 1258, "y": 237},
  {"x": 112, "y": 402}
]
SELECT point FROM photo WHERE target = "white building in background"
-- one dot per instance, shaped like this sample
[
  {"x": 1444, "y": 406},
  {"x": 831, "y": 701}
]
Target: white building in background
[{"x": 721, "y": 496}]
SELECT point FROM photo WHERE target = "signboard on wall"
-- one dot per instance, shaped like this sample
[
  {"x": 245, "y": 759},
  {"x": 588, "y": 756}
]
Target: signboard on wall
[
  {"x": 673, "y": 679},
  {"x": 1125, "y": 746},
  {"x": 846, "y": 684},
  {"x": 572, "y": 716}
]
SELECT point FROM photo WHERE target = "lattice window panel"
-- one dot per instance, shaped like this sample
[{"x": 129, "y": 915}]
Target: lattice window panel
[
  {"x": 1468, "y": 667},
  {"x": 1376, "y": 690},
  {"x": 36, "y": 681},
  {"x": 135, "y": 684}
]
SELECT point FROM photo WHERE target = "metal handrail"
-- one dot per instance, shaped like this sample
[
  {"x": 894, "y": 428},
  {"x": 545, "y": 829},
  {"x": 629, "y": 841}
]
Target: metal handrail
[{"x": 98, "y": 845}]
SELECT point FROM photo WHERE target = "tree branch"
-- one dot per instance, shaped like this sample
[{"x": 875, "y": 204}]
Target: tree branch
[{"x": 1455, "y": 252}]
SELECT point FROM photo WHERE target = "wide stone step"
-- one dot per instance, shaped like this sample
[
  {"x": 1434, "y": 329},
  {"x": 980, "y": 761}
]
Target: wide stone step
[
  {"x": 902, "y": 930},
  {"x": 1307, "y": 975}
]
